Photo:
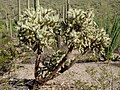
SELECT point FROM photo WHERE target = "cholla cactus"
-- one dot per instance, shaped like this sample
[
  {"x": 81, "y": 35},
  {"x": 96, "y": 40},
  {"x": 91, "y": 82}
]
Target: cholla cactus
[
  {"x": 38, "y": 26},
  {"x": 39, "y": 29},
  {"x": 83, "y": 32}
]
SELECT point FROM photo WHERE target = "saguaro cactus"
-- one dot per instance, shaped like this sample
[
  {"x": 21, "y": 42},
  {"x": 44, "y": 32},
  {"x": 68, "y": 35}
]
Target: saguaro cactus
[
  {"x": 10, "y": 27},
  {"x": 7, "y": 22},
  {"x": 36, "y": 4},
  {"x": 65, "y": 11},
  {"x": 28, "y": 4},
  {"x": 19, "y": 9},
  {"x": 67, "y": 8}
]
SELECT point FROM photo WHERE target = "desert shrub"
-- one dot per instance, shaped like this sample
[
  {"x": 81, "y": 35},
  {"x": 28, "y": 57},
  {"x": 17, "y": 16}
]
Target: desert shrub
[
  {"x": 7, "y": 52},
  {"x": 7, "y": 48},
  {"x": 112, "y": 27},
  {"x": 114, "y": 33}
]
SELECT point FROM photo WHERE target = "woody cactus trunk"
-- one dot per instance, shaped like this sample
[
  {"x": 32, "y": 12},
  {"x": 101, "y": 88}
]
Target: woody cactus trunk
[{"x": 39, "y": 28}]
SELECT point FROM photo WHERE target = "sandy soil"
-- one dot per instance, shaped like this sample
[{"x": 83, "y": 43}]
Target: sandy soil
[
  {"x": 76, "y": 72},
  {"x": 68, "y": 78}
]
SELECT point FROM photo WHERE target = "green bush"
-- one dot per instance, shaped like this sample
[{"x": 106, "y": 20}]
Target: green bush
[
  {"x": 113, "y": 29},
  {"x": 7, "y": 46}
]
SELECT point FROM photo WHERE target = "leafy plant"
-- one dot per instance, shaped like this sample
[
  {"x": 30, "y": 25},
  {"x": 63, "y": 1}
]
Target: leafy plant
[
  {"x": 38, "y": 30},
  {"x": 114, "y": 33}
]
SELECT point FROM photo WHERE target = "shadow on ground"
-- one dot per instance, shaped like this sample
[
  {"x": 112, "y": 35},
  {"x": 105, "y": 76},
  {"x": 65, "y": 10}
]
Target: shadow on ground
[
  {"x": 27, "y": 84},
  {"x": 24, "y": 84},
  {"x": 116, "y": 64}
]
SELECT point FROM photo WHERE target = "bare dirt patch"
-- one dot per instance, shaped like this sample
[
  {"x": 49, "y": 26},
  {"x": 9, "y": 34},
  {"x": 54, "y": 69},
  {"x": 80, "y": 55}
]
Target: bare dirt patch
[{"x": 65, "y": 81}]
